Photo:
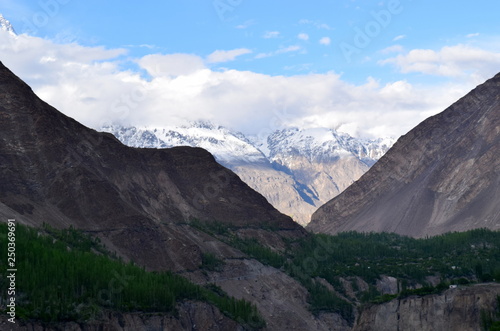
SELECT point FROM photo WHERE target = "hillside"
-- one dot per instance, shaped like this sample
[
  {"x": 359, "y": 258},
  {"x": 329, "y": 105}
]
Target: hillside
[{"x": 442, "y": 176}]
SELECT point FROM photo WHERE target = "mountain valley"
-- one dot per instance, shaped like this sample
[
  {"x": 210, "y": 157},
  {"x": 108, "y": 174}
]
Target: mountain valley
[
  {"x": 244, "y": 265},
  {"x": 297, "y": 170}
]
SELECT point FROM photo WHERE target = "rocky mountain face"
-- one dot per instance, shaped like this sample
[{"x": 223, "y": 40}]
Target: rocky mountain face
[
  {"x": 142, "y": 204},
  {"x": 444, "y": 175},
  {"x": 297, "y": 170},
  {"x": 455, "y": 309},
  {"x": 191, "y": 316}
]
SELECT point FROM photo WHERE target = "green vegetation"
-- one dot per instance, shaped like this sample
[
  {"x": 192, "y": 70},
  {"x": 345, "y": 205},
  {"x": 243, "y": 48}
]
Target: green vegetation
[
  {"x": 213, "y": 228},
  {"x": 319, "y": 262},
  {"x": 211, "y": 262},
  {"x": 259, "y": 252},
  {"x": 455, "y": 258},
  {"x": 60, "y": 278}
]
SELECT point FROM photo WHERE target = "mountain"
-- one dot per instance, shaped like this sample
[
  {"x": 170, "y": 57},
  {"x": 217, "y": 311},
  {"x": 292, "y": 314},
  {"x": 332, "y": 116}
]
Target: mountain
[
  {"x": 57, "y": 171},
  {"x": 228, "y": 147},
  {"x": 163, "y": 209},
  {"x": 297, "y": 170},
  {"x": 444, "y": 175},
  {"x": 6, "y": 26},
  {"x": 178, "y": 210}
]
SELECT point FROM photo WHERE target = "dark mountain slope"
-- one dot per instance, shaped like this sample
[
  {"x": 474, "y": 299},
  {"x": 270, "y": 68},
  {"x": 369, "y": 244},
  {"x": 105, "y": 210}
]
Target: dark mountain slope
[
  {"x": 54, "y": 170},
  {"x": 444, "y": 175}
]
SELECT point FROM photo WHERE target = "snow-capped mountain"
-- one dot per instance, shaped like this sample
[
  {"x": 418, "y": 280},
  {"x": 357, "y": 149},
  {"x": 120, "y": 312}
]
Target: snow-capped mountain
[
  {"x": 6, "y": 26},
  {"x": 228, "y": 147},
  {"x": 322, "y": 144},
  {"x": 297, "y": 170}
]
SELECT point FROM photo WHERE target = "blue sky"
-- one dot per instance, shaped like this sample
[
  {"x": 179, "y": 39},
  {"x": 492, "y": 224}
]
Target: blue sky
[{"x": 396, "y": 56}]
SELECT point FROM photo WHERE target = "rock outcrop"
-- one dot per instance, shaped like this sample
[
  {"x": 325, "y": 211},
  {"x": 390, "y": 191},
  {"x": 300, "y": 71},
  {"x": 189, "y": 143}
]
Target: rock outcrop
[
  {"x": 455, "y": 309},
  {"x": 190, "y": 316},
  {"x": 444, "y": 175}
]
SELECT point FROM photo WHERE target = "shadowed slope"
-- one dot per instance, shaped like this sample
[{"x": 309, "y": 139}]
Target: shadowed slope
[{"x": 54, "y": 170}]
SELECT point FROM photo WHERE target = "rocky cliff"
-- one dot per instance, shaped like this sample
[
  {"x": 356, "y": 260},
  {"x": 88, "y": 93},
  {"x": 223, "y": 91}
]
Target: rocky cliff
[
  {"x": 141, "y": 203},
  {"x": 444, "y": 175},
  {"x": 455, "y": 309},
  {"x": 191, "y": 316}
]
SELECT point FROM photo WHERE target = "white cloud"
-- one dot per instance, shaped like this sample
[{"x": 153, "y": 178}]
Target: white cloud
[
  {"x": 225, "y": 56},
  {"x": 246, "y": 24},
  {"x": 271, "y": 34},
  {"x": 303, "y": 36},
  {"x": 87, "y": 84},
  {"x": 392, "y": 49},
  {"x": 472, "y": 35},
  {"x": 450, "y": 61},
  {"x": 158, "y": 65},
  {"x": 148, "y": 46},
  {"x": 400, "y": 37},
  {"x": 325, "y": 41},
  {"x": 293, "y": 48}
]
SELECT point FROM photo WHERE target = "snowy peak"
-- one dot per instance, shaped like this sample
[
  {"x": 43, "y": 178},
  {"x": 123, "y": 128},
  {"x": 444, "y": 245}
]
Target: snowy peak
[
  {"x": 232, "y": 148},
  {"x": 323, "y": 144},
  {"x": 228, "y": 147},
  {"x": 297, "y": 170},
  {"x": 6, "y": 26}
]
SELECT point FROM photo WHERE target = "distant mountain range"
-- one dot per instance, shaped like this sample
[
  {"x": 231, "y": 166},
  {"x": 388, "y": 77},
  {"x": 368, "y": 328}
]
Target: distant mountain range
[{"x": 297, "y": 170}]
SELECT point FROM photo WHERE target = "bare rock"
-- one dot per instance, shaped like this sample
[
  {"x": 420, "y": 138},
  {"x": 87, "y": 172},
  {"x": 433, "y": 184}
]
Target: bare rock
[
  {"x": 442, "y": 176},
  {"x": 454, "y": 309}
]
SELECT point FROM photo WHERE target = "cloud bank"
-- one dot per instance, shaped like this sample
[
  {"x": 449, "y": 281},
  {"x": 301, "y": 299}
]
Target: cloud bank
[{"x": 90, "y": 85}]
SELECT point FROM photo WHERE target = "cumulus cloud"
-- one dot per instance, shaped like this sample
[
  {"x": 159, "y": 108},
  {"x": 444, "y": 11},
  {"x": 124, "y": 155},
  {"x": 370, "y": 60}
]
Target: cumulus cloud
[
  {"x": 450, "y": 61},
  {"x": 225, "y": 56},
  {"x": 325, "y": 41},
  {"x": 171, "y": 64},
  {"x": 89, "y": 84},
  {"x": 303, "y": 36}
]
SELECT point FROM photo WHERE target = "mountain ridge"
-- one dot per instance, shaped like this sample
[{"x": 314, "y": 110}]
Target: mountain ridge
[
  {"x": 162, "y": 209},
  {"x": 441, "y": 176},
  {"x": 57, "y": 171},
  {"x": 297, "y": 170}
]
